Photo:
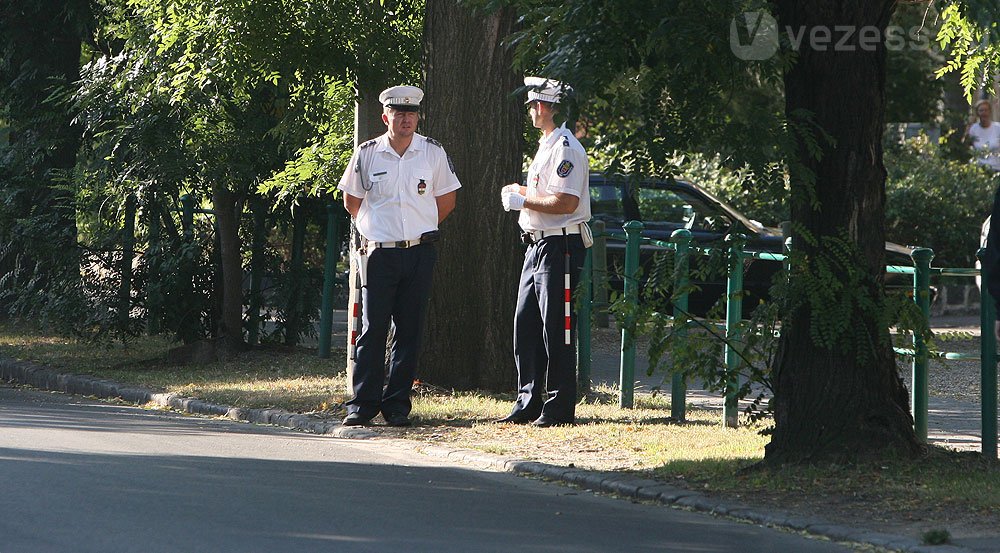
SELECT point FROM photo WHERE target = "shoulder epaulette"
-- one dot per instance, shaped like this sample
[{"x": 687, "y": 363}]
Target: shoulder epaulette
[
  {"x": 367, "y": 144},
  {"x": 565, "y": 141},
  {"x": 434, "y": 142}
]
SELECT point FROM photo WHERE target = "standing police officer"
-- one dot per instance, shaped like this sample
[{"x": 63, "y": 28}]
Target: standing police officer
[
  {"x": 555, "y": 208},
  {"x": 398, "y": 188}
]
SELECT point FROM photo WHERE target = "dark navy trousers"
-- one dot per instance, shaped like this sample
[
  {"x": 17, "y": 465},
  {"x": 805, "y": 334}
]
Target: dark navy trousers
[
  {"x": 546, "y": 365},
  {"x": 397, "y": 291}
]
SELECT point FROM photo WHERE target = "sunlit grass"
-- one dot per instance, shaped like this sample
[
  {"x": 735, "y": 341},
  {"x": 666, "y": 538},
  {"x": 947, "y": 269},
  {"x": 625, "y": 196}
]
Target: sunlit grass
[{"x": 605, "y": 436}]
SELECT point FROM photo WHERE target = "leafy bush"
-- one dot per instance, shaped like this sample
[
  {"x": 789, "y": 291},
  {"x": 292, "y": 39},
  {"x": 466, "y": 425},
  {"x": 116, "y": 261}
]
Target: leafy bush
[{"x": 935, "y": 202}]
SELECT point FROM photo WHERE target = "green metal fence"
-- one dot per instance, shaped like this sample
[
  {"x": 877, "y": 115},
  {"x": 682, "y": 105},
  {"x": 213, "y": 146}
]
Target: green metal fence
[{"x": 595, "y": 278}]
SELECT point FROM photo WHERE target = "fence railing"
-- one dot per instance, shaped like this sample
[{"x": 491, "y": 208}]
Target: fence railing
[{"x": 594, "y": 306}]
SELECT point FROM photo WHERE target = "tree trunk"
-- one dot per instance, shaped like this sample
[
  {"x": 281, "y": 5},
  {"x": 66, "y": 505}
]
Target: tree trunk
[
  {"x": 846, "y": 401},
  {"x": 469, "y": 108},
  {"x": 227, "y": 207}
]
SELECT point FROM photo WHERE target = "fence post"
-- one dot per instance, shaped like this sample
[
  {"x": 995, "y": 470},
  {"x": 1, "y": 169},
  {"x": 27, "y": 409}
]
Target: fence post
[
  {"x": 988, "y": 367},
  {"x": 187, "y": 215},
  {"x": 586, "y": 298},
  {"x": 633, "y": 236},
  {"x": 734, "y": 313},
  {"x": 190, "y": 326},
  {"x": 682, "y": 265},
  {"x": 922, "y": 296},
  {"x": 153, "y": 296},
  {"x": 329, "y": 277},
  {"x": 257, "y": 242},
  {"x": 295, "y": 315},
  {"x": 600, "y": 274},
  {"x": 128, "y": 256}
]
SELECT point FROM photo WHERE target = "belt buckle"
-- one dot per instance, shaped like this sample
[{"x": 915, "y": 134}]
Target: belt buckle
[{"x": 402, "y": 244}]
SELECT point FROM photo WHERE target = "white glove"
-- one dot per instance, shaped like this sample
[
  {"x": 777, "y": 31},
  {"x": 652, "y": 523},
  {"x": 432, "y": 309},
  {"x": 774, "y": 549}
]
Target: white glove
[{"x": 511, "y": 200}]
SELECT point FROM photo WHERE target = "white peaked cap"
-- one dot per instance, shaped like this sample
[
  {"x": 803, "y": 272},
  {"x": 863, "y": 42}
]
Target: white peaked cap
[
  {"x": 545, "y": 90},
  {"x": 405, "y": 98}
]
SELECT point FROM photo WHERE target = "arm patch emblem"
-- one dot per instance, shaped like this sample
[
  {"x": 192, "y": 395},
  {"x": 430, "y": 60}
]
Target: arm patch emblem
[{"x": 565, "y": 168}]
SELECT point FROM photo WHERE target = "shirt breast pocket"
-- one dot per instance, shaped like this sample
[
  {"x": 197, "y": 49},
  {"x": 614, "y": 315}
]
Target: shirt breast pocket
[
  {"x": 377, "y": 179},
  {"x": 422, "y": 183}
]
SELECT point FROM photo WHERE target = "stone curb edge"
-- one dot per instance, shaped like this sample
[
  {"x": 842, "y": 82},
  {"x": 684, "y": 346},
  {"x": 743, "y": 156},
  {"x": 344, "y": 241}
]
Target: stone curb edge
[{"x": 44, "y": 378}]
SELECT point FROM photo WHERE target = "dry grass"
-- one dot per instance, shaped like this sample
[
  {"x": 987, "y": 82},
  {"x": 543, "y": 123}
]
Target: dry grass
[
  {"x": 292, "y": 379},
  {"x": 605, "y": 437}
]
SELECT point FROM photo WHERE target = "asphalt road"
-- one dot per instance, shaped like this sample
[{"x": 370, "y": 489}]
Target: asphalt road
[{"x": 82, "y": 476}]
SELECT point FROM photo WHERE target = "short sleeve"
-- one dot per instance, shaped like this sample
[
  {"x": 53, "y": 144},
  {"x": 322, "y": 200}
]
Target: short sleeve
[
  {"x": 445, "y": 179},
  {"x": 569, "y": 172},
  {"x": 351, "y": 181}
]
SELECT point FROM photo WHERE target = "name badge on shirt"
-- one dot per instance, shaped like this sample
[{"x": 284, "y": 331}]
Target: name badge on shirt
[{"x": 375, "y": 177}]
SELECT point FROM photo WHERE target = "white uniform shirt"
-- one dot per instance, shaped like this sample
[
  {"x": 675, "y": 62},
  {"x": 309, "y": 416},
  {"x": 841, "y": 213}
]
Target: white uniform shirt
[
  {"x": 560, "y": 165},
  {"x": 986, "y": 140},
  {"x": 398, "y": 192}
]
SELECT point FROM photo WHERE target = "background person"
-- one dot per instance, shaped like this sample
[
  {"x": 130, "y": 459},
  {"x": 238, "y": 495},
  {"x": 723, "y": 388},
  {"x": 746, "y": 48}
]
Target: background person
[
  {"x": 398, "y": 188},
  {"x": 555, "y": 208},
  {"x": 984, "y": 136}
]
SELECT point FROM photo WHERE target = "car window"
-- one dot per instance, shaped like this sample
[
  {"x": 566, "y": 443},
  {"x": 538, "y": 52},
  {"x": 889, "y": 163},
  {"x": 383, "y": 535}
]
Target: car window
[
  {"x": 606, "y": 203},
  {"x": 665, "y": 209}
]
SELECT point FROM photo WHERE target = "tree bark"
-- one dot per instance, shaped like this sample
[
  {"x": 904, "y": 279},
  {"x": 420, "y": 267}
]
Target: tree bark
[
  {"x": 845, "y": 402},
  {"x": 227, "y": 207},
  {"x": 469, "y": 107}
]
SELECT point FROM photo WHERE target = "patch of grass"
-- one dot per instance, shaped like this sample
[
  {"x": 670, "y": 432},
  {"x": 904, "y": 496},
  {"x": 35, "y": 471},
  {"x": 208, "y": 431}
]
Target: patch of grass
[
  {"x": 73, "y": 355},
  {"x": 294, "y": 380},
  {"x": 936, "y": 537}
]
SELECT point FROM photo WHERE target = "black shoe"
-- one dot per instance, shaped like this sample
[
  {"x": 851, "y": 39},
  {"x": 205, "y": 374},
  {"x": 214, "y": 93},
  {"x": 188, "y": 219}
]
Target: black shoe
[
  {"x": 356, "y": 419},
  {"x": 397, "y": 420},
  {"x": 545, "y": 421},
  {"x": 515, "y": 418}
]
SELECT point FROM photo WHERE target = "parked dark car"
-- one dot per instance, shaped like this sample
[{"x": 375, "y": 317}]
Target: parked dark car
[{"x": 665, "y": 206}]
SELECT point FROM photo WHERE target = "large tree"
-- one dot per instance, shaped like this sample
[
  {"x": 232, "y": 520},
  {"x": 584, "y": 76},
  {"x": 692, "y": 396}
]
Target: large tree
[
  {"x": 837, "y": 388},
  {"x": 667, "y": 67},
  {"x": 470, "y": 107}
]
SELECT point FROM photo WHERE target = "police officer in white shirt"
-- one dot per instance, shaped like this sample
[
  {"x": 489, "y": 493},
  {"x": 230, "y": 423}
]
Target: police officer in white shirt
[
  {"x": 398, "y": 188},
  {"x": 555, "y": 208}
]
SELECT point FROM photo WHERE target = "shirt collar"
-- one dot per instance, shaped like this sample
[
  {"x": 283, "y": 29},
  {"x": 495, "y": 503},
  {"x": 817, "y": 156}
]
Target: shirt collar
[
  {"x": 419, "y": 143},
  {"x": 553, "y": 136}
]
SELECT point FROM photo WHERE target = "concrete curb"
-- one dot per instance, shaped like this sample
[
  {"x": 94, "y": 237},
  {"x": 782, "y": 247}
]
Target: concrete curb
[{"x": 41, "y": 377}]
